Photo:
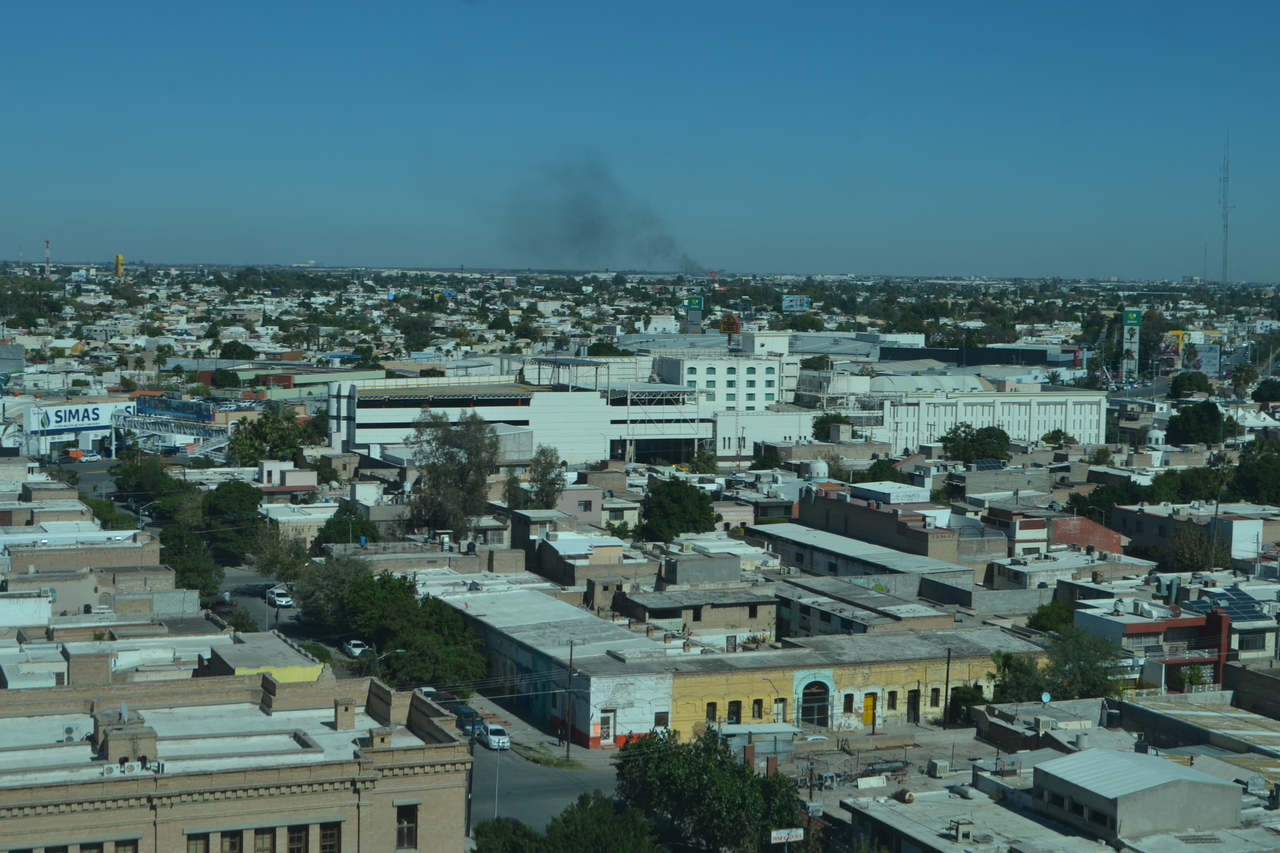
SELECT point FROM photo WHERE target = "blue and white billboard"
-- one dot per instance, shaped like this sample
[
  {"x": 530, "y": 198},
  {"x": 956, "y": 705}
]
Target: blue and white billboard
[
  {"x": 50, "y": 419},
  {"x": 794, "y": 303}
]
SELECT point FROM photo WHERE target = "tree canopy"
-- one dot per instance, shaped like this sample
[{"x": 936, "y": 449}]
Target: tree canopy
[
  {"x": 237, "y": 351},
  {"x": 1268, "y": 391},
  {"x": 1201, "y": 423},
  {"x": 713, "y": 798},
  {"x": 276, "y": 434},
  {"x": 1058, "y": 437},
  {"x": 1081, "y": 664},
  {"x": 321, "y": 590},
  {"x": 231, "y": 520},
  {"x": 590, "y": 825},
  {"x": 346, "y": 525},
  {"x": 822, "y": 424},
  {"x": 454, "y": 461},
  {"x": 673, "y": 507},
  {"x": 184, "y": 550},
  {"x": 546, "y": 478},
  {"x": 1189, "y": 382},
  {"x": 966, "y": 444}
]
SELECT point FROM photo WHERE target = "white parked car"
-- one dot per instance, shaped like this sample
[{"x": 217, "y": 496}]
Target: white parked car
[
  {"x": 354, "y": 648},
  {"x": 493, "y": 736},
  {"x": 279, "y": 598},
  {"x": 90, "y": 456}
]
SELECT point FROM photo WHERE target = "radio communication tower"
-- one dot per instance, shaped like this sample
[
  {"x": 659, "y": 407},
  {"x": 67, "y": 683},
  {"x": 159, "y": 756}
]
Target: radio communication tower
[
  {"x": 47, "y": 265},
  {"x": 1224, "y": 198}
]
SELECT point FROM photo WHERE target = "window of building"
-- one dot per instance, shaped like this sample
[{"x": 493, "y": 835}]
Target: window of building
[
  {"x": 769, "y": 371},
  {"x": 298, "y": 838},
  {"x": 768, "y": 383},
  {"x": 848, "y": 703},
  {"x": 731, "y": 383},
  {"x": 1098, "y": 817},
  {"x": 799, "y": 556},
  {"x": 751, "y": 397},
  {"x": 1077, "y": 808},
  {"x": 661, "y": 719},
  {"x": 584, "y": 506},
  {"x": 61, "y": 848},
  {"x": 831, "y": 566},
  {"x": 751, "y": 383},
  {"x": 195, "y": 843},
  {"x": 735, "y": 713},
  {"x": 90, "y": 848},
  {"x": 1162, "y": 531},
  {"x": 780, "y": 710},
  {"x": 692, "y": 371},
  {"x": 406, "y": 827},
  {"x": 711, "y": 712},
  {"x": 264, "y": 841},
  {"x": 697, "y": 613},
  {"x": 731, "y": 370},
  {"x": 757, "y": 709},
  {"x": 1253, "y": 642},
  {"x": 1138, "y": 525},
  {"x": 330, "y": 838},
  {"x": 711, "y": 371},
  {"x": 768, "y": 396},
  {"x": 616, "y": 514},
  {"x": 730, "y": 397},
  {"x": 1057, "y": 800},
  {"x": 711, "y": 383},
  {"x": 711, "y": 398},
  {"x": 753, "y": 611},
  {"x": 692, "y": 383},
  {"x": 751, "y": 371},
  {"x": 232, "y": 842},
  {"x": 935, "y": 698},
  {"x": 126, "y": 847},
  {"x": 750, "y": 408}
]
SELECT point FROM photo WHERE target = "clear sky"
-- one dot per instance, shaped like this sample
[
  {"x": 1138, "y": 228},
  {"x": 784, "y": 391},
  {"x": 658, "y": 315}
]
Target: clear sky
[{"x": 956, "y": 138}]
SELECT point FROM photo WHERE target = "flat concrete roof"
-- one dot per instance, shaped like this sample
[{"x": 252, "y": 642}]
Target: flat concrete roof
[
  {"x": 261, "y": 650},
  {"x": 878, "y": 556},
  {"x": 696, "y": 597},
  {"x": 1112, "y": 773}
]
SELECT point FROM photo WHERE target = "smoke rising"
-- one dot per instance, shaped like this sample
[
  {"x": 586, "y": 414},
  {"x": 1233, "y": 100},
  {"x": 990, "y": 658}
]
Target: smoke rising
[{"x": 577, "y": 215}]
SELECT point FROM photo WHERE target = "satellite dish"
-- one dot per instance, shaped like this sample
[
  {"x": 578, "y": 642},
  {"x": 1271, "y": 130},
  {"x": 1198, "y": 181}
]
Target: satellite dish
[{"x": 1046, "y": 698}]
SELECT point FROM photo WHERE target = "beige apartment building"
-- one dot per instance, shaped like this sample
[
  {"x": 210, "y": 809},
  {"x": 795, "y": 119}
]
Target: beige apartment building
[{"x": 233, "y": 764}]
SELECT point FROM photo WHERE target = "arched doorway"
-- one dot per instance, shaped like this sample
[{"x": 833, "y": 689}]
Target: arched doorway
[{"x": 815, "y": 704}]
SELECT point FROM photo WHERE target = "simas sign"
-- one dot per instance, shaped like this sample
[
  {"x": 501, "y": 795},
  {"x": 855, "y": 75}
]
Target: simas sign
[{"x": 72, "y": 418}]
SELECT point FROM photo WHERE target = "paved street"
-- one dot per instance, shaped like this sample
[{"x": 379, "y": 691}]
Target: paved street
[{"x": 528, "y": 792}]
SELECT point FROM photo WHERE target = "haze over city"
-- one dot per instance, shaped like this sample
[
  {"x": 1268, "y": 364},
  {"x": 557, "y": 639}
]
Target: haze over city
[{"x": 1080, "y": 140}]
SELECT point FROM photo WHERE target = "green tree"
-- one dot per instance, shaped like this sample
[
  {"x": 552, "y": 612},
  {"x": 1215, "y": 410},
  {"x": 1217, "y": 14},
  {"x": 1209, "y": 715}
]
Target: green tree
[
  {"x": 454, "y": 461},
  {"x": 816, "y": 362},
  {"x": 767, "y": 461},
  {"x": 1258, "y": 478},
  {"x": 1058, "y": 437},
  {"x": 231, "y": 520},
  {"x": 223, "y": 378},
  {"x": 822, "y": 424},
  {"x": 881, "y": 471},
  {"x": 276, "y": 434},
  {"x": 237, "y": 351},
  {"x": 1242, "y": 377},
  {"x": 437, "y": 647},
  {"x": 1052, "y": 616},
  {"x": 501, "y": 835},
  {"x": 107, "y": 516},
  {"x": 605, "y": 348},
  {"x": 673, "y": 507},
  {"x": 146, "y": 479},
  {"x": 546, "y": 478},
  {"x": 275, "y": 554},
  {"x": 1189, "y": 382},
  {"x": 1082, "y": 665},
  {"x": 1018, "y": 678},
  {"x": 703, "y": 462},
  {"x": 241, "y": 619},
  {"x": 1268, "y": 391},
  {"x": 806, "y": 322},
  {"x": 713, "y": 798},
  {"x": 184, "y": 550},
  {"x": 321, "y": 590},
  {"x": 592, "y": 824},
  {"x": 1101, "y": 456},
  {"x": 514, "y": 494},
  {"x": 1193, "y": 550},
  {"x": 346, "y": 525},
  {"x": 966, "y": 444},
  {"x": 1201, "y": 423}
]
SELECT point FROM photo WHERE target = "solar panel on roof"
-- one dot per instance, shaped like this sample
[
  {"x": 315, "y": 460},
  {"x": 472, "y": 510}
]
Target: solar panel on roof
[{"x": 987, "y": 464}]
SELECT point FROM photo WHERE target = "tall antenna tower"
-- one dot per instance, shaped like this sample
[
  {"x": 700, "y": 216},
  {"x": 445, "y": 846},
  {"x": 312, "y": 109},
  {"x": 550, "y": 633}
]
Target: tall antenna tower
[
  {"x": 47, "y": 264},
  {"x": 1224, "y": 198}
]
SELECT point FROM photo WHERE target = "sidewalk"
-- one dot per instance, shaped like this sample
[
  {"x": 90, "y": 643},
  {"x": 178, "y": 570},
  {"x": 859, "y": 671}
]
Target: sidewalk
[{"x": 529, "y": 734}]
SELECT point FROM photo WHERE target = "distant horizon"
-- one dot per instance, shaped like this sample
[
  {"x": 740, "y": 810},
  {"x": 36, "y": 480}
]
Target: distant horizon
[{"x": 996, "y": 139}]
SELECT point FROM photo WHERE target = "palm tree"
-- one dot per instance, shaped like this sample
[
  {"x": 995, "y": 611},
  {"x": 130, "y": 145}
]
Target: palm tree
[{"x": 1053, "y": 377}]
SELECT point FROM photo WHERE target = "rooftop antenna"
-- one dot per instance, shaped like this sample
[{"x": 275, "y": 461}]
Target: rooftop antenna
[
  {"x": 47, "y": 264},
  {"x": 1224, "y": 198}
]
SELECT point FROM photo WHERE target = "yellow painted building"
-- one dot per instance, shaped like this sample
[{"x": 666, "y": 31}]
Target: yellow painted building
[
  {"x": 267, "y": 653},
  {"x": 842, "y": 682}
]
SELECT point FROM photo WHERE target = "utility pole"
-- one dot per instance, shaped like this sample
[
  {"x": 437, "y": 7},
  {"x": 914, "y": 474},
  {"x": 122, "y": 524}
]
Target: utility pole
[
  {"x": 1224, "y": 198},
  {"x": 568, "y": 702},
  {"x": 946, "y": 694}
]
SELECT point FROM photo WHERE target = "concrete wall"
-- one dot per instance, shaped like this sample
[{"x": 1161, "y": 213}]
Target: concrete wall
[{"x": 1256, "y": 690}]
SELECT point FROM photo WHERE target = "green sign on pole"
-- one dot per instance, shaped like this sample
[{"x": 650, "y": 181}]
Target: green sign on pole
[
  {"x": 694, "y": 303},
  {"x": 1132, "y": 317}
]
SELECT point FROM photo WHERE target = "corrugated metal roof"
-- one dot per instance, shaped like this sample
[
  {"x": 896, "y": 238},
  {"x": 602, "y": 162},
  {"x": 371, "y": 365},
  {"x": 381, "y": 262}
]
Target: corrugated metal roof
[{"x": 1110, "y": 773}]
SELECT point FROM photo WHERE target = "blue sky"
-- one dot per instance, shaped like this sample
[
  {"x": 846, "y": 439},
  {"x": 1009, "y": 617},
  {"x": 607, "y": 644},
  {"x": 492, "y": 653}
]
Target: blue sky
[{"x": 1072, "y": 139}]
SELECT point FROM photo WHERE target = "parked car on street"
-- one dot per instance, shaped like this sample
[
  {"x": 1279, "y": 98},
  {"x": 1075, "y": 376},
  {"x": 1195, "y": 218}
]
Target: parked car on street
[
  {"x": 279, "y": 598},
  {"x": 493, "y": 736},
  {"x": 354, "y": 648}
]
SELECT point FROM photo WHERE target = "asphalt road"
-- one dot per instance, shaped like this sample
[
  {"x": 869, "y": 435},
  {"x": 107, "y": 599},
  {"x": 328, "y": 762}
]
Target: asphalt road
[{"x": 528, "y": 792}]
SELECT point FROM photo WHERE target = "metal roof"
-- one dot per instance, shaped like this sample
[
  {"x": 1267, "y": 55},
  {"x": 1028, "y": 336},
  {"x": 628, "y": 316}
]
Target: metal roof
[{"x": 1111, "y": 773}]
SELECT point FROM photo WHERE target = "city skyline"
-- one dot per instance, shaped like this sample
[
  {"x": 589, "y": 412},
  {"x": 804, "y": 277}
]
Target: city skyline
[{"x": 994, "y": 141}]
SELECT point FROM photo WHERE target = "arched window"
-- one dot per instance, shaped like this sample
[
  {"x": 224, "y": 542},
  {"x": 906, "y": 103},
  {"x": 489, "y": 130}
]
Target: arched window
[
  {"x": 731, "y": 370},
  {"x": 751, "y": 371},
  {"x": 768, "y": 371},
  {"x": 692, "y": 371},
  {"x": 711, "y": 371}
]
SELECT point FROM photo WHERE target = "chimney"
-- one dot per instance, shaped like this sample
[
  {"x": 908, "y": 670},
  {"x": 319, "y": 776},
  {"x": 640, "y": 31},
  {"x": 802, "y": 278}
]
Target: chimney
[
  {"x": 1082, "y": 741},
  {"x": 344, "y": 714}
]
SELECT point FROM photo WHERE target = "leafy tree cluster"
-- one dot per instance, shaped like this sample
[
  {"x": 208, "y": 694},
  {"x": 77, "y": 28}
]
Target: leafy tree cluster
[
  {"x": 1184, "y": 486},
  {"x": 673, "y": 507},
  {"x": 1081, "y": 664},
  {"x": 1201, "y": 423},
  {"x": 184, "y": 550},
  {"x": 25, "y": 301},
  {"x": 1268, "y": 391},
  {"x": 605, "y": 348},
  {"x": 237, "y": 351},
  {"x": 1054, "y": 616},
  {"x": 966, "y": 444},
  {"x": 145, "y": 479},
  {"x": 426, "y": 640},
  {"x": 712, "y": 798},
  {"x": 1058, "y": 437},
  {"x": 1189, "y": 382},
  {"x": 276, "y": 434},
  {"x": 822, "y": 424},
  {"x": 767, "y": 461},
  {"x": 346, "y": 525},
  {"x": 230, "y": 522},
  {"x": 454, "y": 461},
  {"x": 703, "y": 462},
  {"x": 590, "y": 825}
]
